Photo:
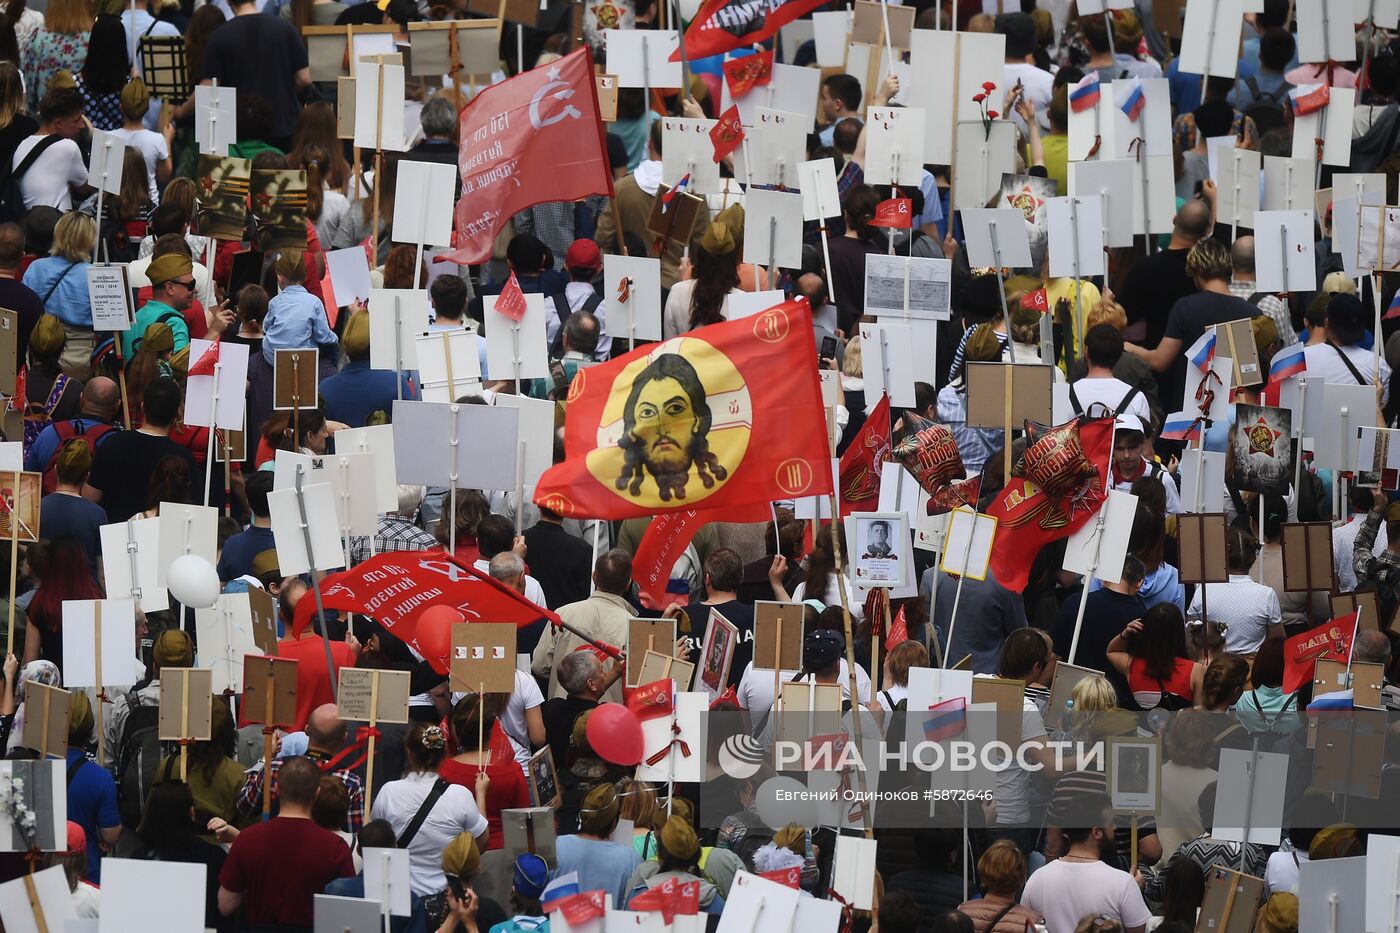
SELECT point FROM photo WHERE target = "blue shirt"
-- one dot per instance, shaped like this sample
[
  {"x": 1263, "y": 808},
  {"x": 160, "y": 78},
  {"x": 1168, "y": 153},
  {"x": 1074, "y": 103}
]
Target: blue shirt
[
  {"x": 236, "y": 559},
  {"x": 354, "y": 393},
  {"x": 37, "y": 457},
  {"x": 295, "y": 320},
  {"x": 92, "y": 804},
  {"x": 933, "y": 204},
  {"x": 62, "y": 285},
  {"x": 61, "y": 514},
  {"x": 604, "y": 865}
]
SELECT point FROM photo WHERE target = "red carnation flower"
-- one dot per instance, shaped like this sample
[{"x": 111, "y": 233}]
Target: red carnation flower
[
  {"x": 992, "y": 114},
  {"x": 978, "y": 98},
  {"x": 988, "y": 86}
]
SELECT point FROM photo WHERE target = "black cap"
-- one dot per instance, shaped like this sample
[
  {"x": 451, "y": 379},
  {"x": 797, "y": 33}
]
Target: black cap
[
  {"x": 1019, "y": 29},
  {"x": 821, "y": 649},
  {"x": 1346, "y": 318}
]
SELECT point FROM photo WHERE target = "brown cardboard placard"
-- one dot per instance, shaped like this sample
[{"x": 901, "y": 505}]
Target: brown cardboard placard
[
  {"x": 1024, "y": 386},
  {"x": 544, "y": 779},
  {"x": 607, "y": 97},
  {"x": 1349, "y": 750},
  {"x": 645, "y": 635},
  {"x": 262, "y": 673},
  {"x": 172, "y": 720},
  {"x": 30, "y": 490},
  {"x": 483, "y": 657},
  {"x": 328, "y": 47},
  {"x": 295, "y": 379},
  {"x": 345, "y": 107},
  {"x": 236, "y": 445},
  {"x": 658, "y": 665},
  {"x": 46, "y": 719},
  {"x": 531, "y": 13},
  {"x": 1366, "y": 600},
  {"x": 1202, "y": 548},
  {"x": 678, "y": 218},
  {"x": 529, "y": 830},
  {"x": 1231, "y": 901},
  {"x": 766, "y": 615},
  {"x": 478, "y": 48},
  {"x": 808, "y": 710},
  {"x": 1237, "y": 339},
  {"x": 9, "y": 350},
  {"x": 1307, "y": 557},
  {"x": 263, "y": 609},
  {"x": 867, "y": 24},
  {"x": 1366, "y": 680},
  {"x": 360, "y": 698},
  {"x": 1009, "y": 697},
  {"x": 1166, "y": 15}
]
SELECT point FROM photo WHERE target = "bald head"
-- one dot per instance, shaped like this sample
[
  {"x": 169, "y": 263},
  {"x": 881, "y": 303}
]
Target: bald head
[
  {"x": 100, "y": 397},
  {"x": 1192, "y": 221},
  {"x": 11, "y": 246},
  {"x": 325, "y": 730},
  {"x": 1242, "y": 257},
  {"x": 1372, "y": 646}
]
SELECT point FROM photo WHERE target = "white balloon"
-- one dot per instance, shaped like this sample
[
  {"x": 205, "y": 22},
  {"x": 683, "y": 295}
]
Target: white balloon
[{"x": 193, "y": 582}]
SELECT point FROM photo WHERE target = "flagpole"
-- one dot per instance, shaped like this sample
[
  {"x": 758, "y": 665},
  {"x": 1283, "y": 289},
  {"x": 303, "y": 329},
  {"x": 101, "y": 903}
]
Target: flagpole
[{"x": 213, "y": 410}]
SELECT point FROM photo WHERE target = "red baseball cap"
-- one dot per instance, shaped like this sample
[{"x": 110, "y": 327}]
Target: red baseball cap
[{"x": 583, "y": 254}]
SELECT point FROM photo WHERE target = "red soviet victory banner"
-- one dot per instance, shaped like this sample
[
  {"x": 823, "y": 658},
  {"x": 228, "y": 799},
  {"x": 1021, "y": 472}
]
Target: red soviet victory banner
[
  {"x": 536, "y": 137},
  {"x": 726, "y": 418},
  {"x": 1060, "y": 483},
  {"x": 724, "y": 25},
  {"x": 1330, "y": 641},
  {"x": 663, "y": 543},
  {"x": 861, "y": 463}
]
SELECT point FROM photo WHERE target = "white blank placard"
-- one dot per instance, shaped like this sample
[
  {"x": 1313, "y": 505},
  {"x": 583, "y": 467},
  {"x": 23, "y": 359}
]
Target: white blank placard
[
  {"x": 1325, "y": 31},
  {"x": 968, "y": 545},
  {"x": 1385, "y": 14},
  {"x": 777, "y": 145},
  {"x": 1100, "y": 552},
  {"x": 1237, "y": 196},
  {"x": 424, "y": 196},
  {"x": 820, "y": 199},
  {"x": 983, "y": 157},
  {"x": 687, "y": 149},
  {"x": 186, "y": 529},
  {"x": 1232, "y": 800},
  {"x": 386, "y": 879},
  {"x": 996, "y": 236},
  {"x": 1382, "y": 871},
  {"x": 1111, "y": 180},
  {"x": 131, "y": 557},
  {"x": 449, "y": 364},
  {"x": 1076, "y": 232},
  {"x": 755, "y": 903},
  {"x": 888, "y": 354},
  {"x": 535, "y": 433},
  {"x": 128, "y": 904},
  {"x": 378, "y": 115},
  {"x": 349, "y": 269},
  {"x": 638, "y": 278},
  {"x": 1209, "y": 464},
  {"x": 791, "y": 89},
  {"x": 690, "y": 711},
  {"x": 1154, "y": 124},
  {"x": 1283, "y": 251},
  {"x": 853, "y": 871},
  {"x": 506, "y": 338},
  {"x": 1211, "y": 37},
  {"x": 773, "y": 228},
  {"x": 1331, "y": 124},
  {"x": 105, "y": 161},
  {"x": 351, "y": 475},
  {"x": 894, "y": 146},
  {"x": 232, "y": 374},
  {"x": 1288, "y": 183},
  {"x": 830, "y": 32},
  {"x": 1160, "y": 195},
  {"x": 977, "y": 58},
  {"x": 377, "y": 440},
  {"x": 55, "y": 897},
  {"x": 290, "y": 538},
  {"x": 641, "y": 57},
  {"x": 224, "y": 635},
  {"x": 396, "y": 317},
  {"x": 484, "y": 455},
  {"x": 120, "y": 667},
  {"x": 1339, "y": 881}
]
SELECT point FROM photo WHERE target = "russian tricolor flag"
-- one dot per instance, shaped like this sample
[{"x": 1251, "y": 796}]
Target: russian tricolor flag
[
  {"x": 1202, "y": 352},
  {"x": 1085, "y": 95},
  {"x": 670, "y": 195},
  {"x": 1180, "y": 426},
  {"x": 1135, "y": 103},
  {"x": 1394, "y": 309},
  {"x": 565, "y": 885},
  {"x": 1288, "y": 362},
  {"x": 946, "y": 719}
]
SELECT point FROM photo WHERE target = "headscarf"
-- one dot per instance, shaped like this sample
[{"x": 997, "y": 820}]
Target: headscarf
[{"x": 45, "y": 672}]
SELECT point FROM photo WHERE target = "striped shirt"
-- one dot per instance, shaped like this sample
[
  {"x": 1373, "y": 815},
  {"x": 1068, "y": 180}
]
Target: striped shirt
[{"x": 1075, "y": 786}]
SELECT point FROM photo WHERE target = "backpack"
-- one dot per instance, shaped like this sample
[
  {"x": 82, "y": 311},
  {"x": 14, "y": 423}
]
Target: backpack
[
  {"x": 759, "y": 835},
  {"x": 12, "y": 209},
  {"x": 68, "y": 430},
  {"x": 561, "y": 308},
  {"x": 116, "y": 241},
  {"x": 39, "y": 415},
  {"x": 139, "y": 752}
]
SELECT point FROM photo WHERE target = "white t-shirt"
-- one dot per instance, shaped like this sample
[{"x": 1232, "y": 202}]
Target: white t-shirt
[
  {"x": 1110, "y": 393},
  {"x": 525, "y": 696},
  {"x": 453, "y": 813},
  {"x": 1066, "y": 892},
  {"x": 152, "y": 148},
  {"x": 1282, "y": 872},
  {"x": 47, "y": 181},
  {"x": 1324, "y": 360},
  {"x": 1013, "y": 793},
  {"x": 533, "y": 591},
  {"x": 832, "y": 596}
]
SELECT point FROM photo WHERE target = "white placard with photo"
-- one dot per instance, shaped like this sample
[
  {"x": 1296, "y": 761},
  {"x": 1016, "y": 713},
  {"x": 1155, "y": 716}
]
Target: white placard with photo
[
  {"x": 878, "y": 548},
  {"x": 903, "y": 286}
]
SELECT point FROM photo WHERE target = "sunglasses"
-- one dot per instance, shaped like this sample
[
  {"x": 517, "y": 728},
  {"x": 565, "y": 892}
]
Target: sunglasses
[{"x": 186, "y": 285}]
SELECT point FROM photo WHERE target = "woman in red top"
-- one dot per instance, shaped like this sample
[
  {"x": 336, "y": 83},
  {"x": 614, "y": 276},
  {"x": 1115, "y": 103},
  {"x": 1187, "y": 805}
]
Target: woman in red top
[
  {"x": 1151, "y": 653},
  {"x": 507, "y": 789}
]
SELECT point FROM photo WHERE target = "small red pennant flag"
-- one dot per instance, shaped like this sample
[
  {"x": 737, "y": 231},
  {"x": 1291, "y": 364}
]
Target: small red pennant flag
[
  {"x": 204, "y": 366},
  {"x": 727, "y": 133},
  {"x": 744, "y": 74},
  {"x": 896, "y": 212},
  {"x": 511, "y": 301}
]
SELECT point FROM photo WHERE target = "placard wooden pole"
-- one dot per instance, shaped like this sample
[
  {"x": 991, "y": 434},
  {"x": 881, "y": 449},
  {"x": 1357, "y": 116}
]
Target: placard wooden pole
[
  {"x": 454, "y": 54},
  {"x": 14, "y": 560},
  {"x": 296, "y": 403},
  {"x": 777, "y": 684},
  {"x": 315, "y": 578},
  {"x": 32, "y": 893},
  {"x": 1133, "y": 843},
  {"x": 268, "y": 731},
  {"x": 481, "y": 723},
  {"x": 184, "y": 726},
  {"x": 101, "y": 694},
  {"x": 373, "y": 723},
  {"x": 378, "y": 163},
  {"x": 44, "y": 724}
]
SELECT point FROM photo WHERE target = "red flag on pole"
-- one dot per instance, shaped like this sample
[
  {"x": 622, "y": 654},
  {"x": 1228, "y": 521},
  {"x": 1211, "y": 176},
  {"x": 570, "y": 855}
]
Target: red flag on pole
[
  {"x": 861, "y": 463},
  {"x": 204, "y": 366},
  {"x": 896, "y": 212},
  {"x": 744, "y": 74},
  {"x": 511, "y": 301},
  {"x": 726, "y": 418},
  {"x": 533, "y": 138},
  {"x": 727, "y": 133},
  {"x": 725, "y": 25},
  {"x": 1330, "y": 641},
  {"x": 663, "y": 543}
]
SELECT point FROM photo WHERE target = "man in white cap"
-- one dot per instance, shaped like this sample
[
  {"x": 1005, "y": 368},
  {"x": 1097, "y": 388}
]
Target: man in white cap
[{"x": 1129, "y": 465}]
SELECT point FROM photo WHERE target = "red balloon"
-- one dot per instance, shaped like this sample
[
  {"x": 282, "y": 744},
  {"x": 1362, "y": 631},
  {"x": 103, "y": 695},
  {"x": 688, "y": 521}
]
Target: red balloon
[
  {"x": 615, "y": 734},
  {"x": 433, "y": 634}
]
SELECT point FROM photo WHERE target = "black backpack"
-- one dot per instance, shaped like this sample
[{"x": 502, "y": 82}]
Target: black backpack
[
  {"x": 12, "y": 208},
  {"x": 759, "y": 835},
  {"x": 139, "y": 752}
]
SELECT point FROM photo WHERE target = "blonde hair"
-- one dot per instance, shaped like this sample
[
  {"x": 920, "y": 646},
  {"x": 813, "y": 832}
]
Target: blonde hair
[
  {"x": 637, "y": 802},
  {"x": 982, "y": 22},
  {"x": 74, "y": 237},
  {"x": 1209, "y": 260},
  {"x": 1109, "y": 312},
  {"x": 1094, "y": 695},
  {"x": 1002, "y": 868},
  {"x": 11, "y": 93},
  {"x": 69, "y": 17},
  {"x": 850, "y": 360}
]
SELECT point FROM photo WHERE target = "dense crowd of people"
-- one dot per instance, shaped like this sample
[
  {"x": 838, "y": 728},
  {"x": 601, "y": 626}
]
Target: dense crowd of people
[{"x": 1202, "y": 667}]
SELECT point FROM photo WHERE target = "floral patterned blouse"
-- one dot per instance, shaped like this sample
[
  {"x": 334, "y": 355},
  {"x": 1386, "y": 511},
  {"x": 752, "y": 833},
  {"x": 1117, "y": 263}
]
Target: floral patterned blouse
[
  {"x": 49, "y": 53},
  {"x": 104, "y": 110}
]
